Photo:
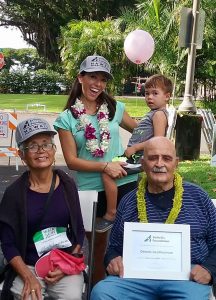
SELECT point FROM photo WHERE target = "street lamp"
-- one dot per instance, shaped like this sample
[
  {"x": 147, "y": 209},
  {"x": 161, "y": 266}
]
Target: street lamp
[{"x": 187, "y": 104}]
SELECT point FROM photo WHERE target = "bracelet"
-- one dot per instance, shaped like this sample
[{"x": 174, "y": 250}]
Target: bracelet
[{"x": 105, "y": 167}]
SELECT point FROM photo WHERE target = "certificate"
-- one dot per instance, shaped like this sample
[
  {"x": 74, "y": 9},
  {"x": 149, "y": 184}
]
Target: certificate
[{"x": 156, "y": 251}]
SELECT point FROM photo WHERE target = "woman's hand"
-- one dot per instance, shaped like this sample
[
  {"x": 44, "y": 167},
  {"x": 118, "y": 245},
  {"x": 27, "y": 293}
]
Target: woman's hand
[
  {"x": 115, "y": 266},
  {"x": 54, "y": 276},
  {"x": 115, "y": 170},
  {"x": 32, "y": 287}
]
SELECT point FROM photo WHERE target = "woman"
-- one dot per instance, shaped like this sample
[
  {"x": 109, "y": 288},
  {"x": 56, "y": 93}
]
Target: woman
[
  {"x": 42, "y": 200},
  {"x": 88, "y": 129}
]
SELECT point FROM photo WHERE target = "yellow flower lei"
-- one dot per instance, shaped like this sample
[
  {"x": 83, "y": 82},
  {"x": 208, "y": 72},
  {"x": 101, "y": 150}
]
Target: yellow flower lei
[{"x": 177, "y": 201}]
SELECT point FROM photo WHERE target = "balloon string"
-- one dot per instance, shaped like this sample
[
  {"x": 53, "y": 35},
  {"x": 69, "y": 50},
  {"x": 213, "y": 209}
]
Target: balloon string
[{"x": 138, "y": 82}]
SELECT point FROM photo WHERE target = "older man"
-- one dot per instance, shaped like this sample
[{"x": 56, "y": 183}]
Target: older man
[{"x": 160, "y": 192}]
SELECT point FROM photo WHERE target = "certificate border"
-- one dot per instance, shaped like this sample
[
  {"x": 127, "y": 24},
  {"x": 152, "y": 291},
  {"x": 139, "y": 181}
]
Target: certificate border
[{"x": 184, "y": 229}]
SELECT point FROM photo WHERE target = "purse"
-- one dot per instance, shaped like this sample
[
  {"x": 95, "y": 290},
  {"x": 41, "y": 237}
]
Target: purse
[{"x": 69, "y": 264}]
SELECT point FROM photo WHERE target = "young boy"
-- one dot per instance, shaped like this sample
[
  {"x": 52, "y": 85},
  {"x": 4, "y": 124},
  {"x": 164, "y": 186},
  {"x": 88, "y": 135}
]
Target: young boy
[{"x": 158, "y": 90}]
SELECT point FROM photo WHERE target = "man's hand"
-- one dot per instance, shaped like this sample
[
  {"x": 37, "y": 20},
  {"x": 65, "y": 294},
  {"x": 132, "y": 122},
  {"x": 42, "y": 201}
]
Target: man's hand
[
  {"x": 200, "y": 275},
  {"x": 115, "y": 266},
  {"x": 54, "y": 276}
]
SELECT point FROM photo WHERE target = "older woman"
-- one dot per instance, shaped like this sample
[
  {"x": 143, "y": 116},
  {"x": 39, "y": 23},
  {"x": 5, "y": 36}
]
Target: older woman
[{"x": 45, "y": 201}]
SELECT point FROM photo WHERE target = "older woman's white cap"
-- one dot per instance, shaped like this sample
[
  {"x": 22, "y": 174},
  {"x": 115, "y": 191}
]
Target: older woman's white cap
[{"x": 31, "y": 127}]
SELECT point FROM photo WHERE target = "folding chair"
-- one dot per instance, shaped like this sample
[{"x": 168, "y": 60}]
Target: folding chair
[
  {"x": 88, "y": 204},
  {"x": 207, "y": 125},
  {"x": 172, "y": 116}
]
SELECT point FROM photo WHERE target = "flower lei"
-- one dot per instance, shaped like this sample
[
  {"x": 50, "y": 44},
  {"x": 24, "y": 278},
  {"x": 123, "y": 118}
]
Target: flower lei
[
  {"x": 95, "y": 147},
  {"x": 177, "y": 201}
]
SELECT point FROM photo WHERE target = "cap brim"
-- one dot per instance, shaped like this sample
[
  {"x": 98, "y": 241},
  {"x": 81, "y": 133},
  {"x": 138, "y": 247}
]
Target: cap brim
[{"x": 108, "y": 75}]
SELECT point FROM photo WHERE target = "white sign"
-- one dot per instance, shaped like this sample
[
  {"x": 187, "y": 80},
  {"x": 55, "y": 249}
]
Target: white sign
[
  {"x": 3, "y": 125},
  {"x": 156, "y": 251},
  {"x": 213, "y": 152}
]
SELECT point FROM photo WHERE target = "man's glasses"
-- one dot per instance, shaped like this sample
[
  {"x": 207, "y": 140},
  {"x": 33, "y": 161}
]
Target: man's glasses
[{"x": 35, "y": 147}]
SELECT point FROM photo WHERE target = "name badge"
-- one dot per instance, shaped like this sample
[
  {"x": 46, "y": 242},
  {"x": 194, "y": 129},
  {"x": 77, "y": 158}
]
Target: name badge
[{"x": 50, "y": 238}]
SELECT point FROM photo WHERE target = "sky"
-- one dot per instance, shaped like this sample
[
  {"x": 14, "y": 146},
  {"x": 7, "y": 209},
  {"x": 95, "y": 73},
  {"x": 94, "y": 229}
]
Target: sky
[{"x": 11, "y": 38}]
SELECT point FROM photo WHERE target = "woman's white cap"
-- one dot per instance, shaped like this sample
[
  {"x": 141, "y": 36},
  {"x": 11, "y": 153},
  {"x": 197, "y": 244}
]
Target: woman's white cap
[{"x": 95, "y": 63}]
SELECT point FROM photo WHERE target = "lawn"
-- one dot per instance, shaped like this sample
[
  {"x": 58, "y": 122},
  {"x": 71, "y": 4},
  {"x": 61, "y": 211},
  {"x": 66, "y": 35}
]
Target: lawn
[
  {"x": 136, "y": 107},
  {"x": 54, "y": 103},
  {"x": 200, "y": 172}
]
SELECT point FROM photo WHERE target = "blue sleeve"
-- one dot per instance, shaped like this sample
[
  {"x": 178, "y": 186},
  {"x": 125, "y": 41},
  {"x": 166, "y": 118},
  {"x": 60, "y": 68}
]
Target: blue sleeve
[
  {"x": 120, "y": 108},
  {"x": 210, "y": 262},
  {"x": 64, "y": 121},
  {"x": 210, "y": 210}
]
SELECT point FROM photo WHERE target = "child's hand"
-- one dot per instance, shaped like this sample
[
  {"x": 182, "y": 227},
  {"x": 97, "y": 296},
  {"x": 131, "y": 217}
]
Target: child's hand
[{"x": 130, "y": 151}]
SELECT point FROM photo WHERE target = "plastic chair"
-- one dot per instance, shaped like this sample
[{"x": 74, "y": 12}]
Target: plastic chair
[
  {"x": 172, "y": 116},
  {"x": 88, "y": 204}
]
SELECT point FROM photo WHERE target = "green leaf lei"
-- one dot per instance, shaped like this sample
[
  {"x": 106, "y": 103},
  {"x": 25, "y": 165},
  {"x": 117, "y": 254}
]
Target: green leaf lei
[{"x": 177, "y": 201}]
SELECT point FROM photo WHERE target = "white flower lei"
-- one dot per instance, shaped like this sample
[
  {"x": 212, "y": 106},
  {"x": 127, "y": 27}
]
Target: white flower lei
[{"x": 97, "y": 148}]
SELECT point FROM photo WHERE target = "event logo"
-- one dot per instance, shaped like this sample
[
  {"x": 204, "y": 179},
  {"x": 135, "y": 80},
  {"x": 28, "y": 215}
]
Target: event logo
[
  {"x": 148, "y": 239},
  {"x": 100, "y": 61}
]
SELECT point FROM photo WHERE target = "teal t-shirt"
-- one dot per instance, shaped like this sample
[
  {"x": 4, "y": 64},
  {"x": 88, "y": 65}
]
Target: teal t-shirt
[{"x": 93, "y": 180}]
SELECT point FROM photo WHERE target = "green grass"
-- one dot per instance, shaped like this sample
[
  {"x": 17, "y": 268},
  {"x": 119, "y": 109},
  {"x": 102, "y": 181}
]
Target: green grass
[
  {"x": 54, "y": 103},
  {"x": 200, "y": 172},
  {"x": 136, "y": 107}
]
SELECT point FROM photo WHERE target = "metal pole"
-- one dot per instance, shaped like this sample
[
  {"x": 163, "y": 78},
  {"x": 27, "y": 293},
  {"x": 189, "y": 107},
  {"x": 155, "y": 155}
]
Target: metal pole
[
  {"x": 91, "y": 251},
  {"x": 187, "y": 104}
]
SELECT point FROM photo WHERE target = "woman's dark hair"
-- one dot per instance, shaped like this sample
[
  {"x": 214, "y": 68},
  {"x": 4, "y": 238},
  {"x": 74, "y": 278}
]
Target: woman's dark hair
[{"x": 76, "y": 92}]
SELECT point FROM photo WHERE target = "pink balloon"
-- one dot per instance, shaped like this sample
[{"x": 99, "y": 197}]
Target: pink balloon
[{"x": 139, "y": 46}]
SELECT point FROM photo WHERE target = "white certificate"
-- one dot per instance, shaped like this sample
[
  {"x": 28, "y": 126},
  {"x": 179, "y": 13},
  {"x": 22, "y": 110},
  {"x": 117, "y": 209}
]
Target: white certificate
[{"x": 156, "y": 251}]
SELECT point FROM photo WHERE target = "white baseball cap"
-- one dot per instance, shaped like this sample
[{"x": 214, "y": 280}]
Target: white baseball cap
[
  {"x": 95, "y": 63},
  {"x": 31, "y": 127}
]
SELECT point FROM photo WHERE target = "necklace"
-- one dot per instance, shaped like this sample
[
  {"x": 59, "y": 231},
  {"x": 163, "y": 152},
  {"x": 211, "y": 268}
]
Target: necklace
[
  {"x": 96, "y": 147},
  {"x": 177, "y": 200}
]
